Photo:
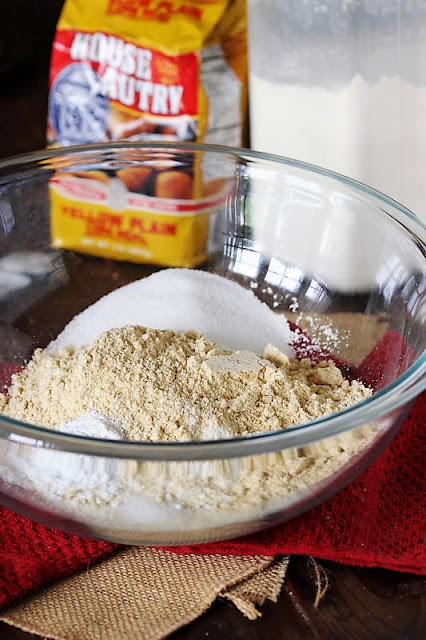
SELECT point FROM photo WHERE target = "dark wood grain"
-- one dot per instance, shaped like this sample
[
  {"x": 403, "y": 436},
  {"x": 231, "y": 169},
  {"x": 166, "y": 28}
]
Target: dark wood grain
[{"x": 360, "y": 603}]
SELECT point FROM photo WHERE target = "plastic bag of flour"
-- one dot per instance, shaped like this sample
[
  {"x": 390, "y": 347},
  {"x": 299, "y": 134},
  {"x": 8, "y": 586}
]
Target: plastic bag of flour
[{"x": 142, "y": 70}]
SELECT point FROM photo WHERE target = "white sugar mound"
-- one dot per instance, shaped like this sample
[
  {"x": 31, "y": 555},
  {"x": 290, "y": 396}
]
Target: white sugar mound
[{"x": 181, "y": 300}]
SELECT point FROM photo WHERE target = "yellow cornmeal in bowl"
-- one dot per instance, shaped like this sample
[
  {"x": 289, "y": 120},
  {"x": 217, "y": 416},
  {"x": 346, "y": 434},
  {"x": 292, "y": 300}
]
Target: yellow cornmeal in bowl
[
  {"x": 166, "y": 386},
  {"x": 163, "y": 386}
]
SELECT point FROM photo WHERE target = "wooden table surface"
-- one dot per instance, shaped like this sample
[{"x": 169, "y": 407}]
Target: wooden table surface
[{"x": 360, "y": 603}]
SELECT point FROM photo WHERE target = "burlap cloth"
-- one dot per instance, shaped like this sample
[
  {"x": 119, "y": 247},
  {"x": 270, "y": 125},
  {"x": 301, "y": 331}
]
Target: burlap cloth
[{"x": 147, "y": 594}]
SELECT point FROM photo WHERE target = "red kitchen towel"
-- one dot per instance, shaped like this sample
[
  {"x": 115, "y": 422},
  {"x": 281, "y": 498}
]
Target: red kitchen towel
[{"x": 379, "y": 520}]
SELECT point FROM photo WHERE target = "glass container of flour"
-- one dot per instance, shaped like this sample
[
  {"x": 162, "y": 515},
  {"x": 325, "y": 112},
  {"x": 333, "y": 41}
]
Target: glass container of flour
[
  {"x": 342, "y": 84},
  {"x": 170, "y": 406}
]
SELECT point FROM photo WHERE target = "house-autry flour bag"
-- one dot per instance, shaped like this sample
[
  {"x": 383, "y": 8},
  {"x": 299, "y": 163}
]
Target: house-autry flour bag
[{"x": 142, "y": 70}]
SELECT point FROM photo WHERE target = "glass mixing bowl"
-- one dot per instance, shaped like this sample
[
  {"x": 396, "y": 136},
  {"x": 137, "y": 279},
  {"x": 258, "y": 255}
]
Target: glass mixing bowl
[{"x": 343, "y": 262}]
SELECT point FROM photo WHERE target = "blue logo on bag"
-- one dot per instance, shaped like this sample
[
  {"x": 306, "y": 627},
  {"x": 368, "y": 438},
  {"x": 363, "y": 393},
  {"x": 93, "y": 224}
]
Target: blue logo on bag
[{"x": 78, "y": 108}]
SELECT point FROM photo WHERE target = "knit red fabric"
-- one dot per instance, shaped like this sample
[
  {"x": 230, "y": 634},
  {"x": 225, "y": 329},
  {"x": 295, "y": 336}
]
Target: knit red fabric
[{"x": 378, "y": 520}]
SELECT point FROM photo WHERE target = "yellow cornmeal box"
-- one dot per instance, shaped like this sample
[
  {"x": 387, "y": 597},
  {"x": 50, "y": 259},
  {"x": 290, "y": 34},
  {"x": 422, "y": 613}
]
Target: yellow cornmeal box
[
  {"x": 141, "y": 70},
  {"x": 104, "y": 219}
]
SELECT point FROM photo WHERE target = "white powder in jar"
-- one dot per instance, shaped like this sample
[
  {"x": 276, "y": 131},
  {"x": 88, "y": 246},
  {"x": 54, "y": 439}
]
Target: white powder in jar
[{"x": 371, "y": 131}]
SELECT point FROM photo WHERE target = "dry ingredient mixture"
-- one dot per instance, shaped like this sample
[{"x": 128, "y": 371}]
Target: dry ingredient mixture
[
  {"x": 108, "y": 376},
  {"x": 159, "y": 385}
]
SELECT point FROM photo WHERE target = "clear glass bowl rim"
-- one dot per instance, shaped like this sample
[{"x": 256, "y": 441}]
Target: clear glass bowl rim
[{"x": 401, "y": 391}]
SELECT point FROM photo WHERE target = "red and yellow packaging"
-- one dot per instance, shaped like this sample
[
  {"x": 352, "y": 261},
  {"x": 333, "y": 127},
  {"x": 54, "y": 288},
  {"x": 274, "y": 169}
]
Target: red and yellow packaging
[
  {"x": 142, "y": 70},
  {"x": 94, "y": 213}
]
